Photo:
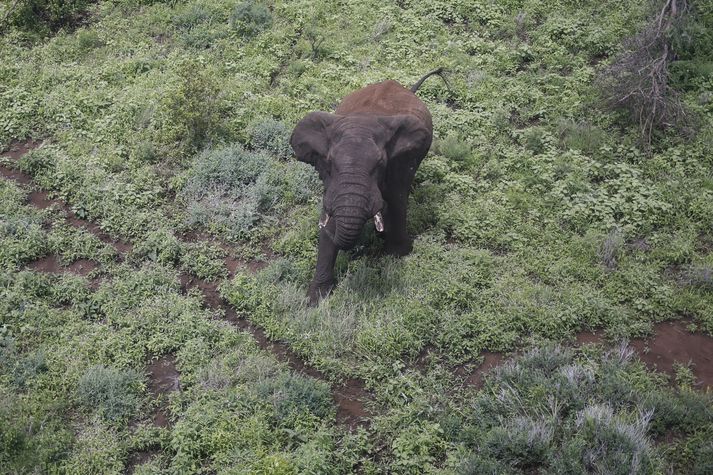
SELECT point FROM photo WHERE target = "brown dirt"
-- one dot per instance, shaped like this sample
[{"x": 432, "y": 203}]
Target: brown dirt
[
  {"x": 163, "y": 379},
  {"x": 475, "y": 378},
  {"x": 139, "y": 458},
  {"x": 51, "y": 264},
  {"x": 673, "y": 343},
  {"x": 589, "y": 338},
  {"x": 163, "y": 375}
]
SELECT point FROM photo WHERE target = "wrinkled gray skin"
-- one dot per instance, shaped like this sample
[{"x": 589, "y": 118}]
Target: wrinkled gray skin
[{"x": 366, "y": 154}]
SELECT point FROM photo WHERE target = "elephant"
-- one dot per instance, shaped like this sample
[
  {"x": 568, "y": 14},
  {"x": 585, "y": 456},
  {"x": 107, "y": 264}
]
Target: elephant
[{"x": 366, "y": 154}]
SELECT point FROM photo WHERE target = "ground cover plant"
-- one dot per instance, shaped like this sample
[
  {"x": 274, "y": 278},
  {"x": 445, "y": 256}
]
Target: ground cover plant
[{"x": 175, "y": 217}]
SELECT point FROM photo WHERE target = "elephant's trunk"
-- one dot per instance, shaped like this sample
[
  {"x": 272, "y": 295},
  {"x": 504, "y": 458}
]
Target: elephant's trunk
[{"x": 350, "y": 211}]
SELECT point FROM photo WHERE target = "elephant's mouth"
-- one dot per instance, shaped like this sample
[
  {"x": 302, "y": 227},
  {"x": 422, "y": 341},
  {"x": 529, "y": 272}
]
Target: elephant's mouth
[{"x": 378, "y": 221}]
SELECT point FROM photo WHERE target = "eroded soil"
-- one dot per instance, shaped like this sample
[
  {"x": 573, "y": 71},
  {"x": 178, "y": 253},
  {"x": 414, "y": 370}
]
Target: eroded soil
[
  {"x": 672, "y": 343},
  {"x": 163, "y": 379},
  {"x": 51, "y": 265}
]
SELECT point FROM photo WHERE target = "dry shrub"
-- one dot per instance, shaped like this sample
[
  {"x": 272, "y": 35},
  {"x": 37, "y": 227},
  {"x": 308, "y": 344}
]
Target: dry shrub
[{"x": 638, "y": 81}]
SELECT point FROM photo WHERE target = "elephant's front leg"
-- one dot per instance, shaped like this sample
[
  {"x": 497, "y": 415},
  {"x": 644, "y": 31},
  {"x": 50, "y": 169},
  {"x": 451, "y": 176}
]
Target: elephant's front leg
[
  {"x": 323, "y": 281},
  {"x": 398, "y": 242}
]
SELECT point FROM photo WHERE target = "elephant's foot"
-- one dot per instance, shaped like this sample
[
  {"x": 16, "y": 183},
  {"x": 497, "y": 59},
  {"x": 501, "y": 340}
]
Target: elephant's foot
[
  {"x": 318, "y": 291},
  {"x": 400, "y": 248}
]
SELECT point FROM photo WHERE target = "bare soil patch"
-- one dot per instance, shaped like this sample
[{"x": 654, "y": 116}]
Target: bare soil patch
[
  {"x": 51, "y": 264},
  {"x": 163, "y": 379},
  {"x": 672, "y": 343},
  {"x": 475, "y": 378}
]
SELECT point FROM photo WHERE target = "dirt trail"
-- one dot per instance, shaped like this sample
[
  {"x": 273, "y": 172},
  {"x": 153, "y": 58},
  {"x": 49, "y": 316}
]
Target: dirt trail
[
  {"x": 163, "y": 379},
  {"x": 348, "y": 398},
  {"x": 41, "y": 200},
  {"x": 670, "y": 343},
  {"x": 51, "y": 265}
]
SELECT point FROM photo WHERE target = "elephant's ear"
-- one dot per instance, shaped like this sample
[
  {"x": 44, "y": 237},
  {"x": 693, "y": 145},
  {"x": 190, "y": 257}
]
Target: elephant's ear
[
  {"x": 406, "y": 135},
  {"x": 310, "y": 140}
]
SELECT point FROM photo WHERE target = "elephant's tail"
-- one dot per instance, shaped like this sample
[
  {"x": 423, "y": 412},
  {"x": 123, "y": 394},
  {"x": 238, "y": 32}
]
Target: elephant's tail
[{"x": 438, "y": 71}]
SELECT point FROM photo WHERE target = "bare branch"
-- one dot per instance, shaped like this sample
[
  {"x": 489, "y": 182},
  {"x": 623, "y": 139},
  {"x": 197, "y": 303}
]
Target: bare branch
[{"x": 638, "y": 79}]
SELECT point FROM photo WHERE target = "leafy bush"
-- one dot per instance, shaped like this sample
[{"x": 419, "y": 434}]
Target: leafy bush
[
  {"x": 159, "y": 246},
  {"x": 42, "y": 16},
  {"x": 292, "y": 394},
  {"x": 271, "y": 136},
  {"x": 555, "y": 413},
  {"x": 250, "y": 18},
  {"x": 231, "y": 190},
  {"x": 580, "y": 136},
  {"x": 112, "y": 392},
  {"x": 204, "y": 260},
  {"x": 190, "y": 112}
]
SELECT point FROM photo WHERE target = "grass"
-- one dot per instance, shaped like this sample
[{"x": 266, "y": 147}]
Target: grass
[{"x": 537, "y": 215}]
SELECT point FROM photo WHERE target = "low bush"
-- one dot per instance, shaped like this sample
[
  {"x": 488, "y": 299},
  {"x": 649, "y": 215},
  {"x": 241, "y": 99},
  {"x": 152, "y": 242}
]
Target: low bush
[
  {"x": 232, "y": 190},
  {"x": 250, "y": 18},
  {"x": 112, "y": 392},
  {"x": 43, "y": 16},
  {"x": 271, "y": 136},
  {"x": 553, "y": 412}
]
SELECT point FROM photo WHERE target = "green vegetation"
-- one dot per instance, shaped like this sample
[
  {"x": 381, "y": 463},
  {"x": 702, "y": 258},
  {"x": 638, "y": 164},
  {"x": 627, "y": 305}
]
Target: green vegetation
[{"x": 539, "y": 213}]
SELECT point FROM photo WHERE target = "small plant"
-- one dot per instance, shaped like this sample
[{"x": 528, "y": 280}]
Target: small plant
[
  {"x": 454, "y": 148},
  {"x": 42, "y": 16},
  {"x": 292, "y": 394},
  {"x": 204, "y": 260},
  {"x": 231, "y": 190},
  {"x": 579, "y": 136},
  {"x": 611, "y": 247},
  {"x": 250, "y": 18},
  {"x": 271, "y": 136},
  {"x": 190, "y": 110},
  {"x": 110, "y": 391}
]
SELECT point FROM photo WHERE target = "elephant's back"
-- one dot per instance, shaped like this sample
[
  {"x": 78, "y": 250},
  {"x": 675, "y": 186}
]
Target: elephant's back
[{"x": 385, "y": 98}]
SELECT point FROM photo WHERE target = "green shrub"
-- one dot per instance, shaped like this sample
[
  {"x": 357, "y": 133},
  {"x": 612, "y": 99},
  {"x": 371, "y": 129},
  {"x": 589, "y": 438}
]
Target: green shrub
[
  {"x": 580, "y": 136},
  {"x": 250, "y": 18},
  {"x": 608, "y": 443},
  {"x": 553, "y": 412},
  {"x": 453, "y": 148},
  {"x": 159, "y": 246},
  {"x": 41, "y": 16},
  {"x": 231, "y": 190},
  {"x": 418, "y": 448},
  {"x": 292, "y": 394},
  {"x": 271, "y": 136},
  {"x": 204, "y": 260},
  {"x": 190, "y": 112},
  {"x": 22, "y": 239},
  {"x": 112, "y": 392}
]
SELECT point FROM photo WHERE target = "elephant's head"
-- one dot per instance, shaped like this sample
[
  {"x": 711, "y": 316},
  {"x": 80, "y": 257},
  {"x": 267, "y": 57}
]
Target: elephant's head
[{"x": 353, "y": 155}]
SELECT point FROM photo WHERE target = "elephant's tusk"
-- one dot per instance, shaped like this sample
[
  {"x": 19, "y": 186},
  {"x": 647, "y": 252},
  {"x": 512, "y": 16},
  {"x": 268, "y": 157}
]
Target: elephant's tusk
[
  {"x": 323, "y": 221},
  {"x": 379, "y": 222}
]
